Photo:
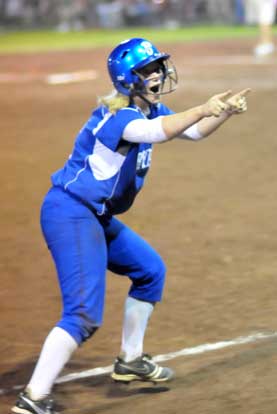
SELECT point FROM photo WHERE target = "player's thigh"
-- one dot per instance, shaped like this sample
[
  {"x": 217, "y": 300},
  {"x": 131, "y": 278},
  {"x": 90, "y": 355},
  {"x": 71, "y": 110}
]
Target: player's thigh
[
  {"x": 78, "y": 247},
  {"x": 129, "y": 254}
]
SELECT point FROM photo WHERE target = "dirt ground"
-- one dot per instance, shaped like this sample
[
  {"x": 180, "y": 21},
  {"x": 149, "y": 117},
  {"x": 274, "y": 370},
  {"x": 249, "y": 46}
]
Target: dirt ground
[{"x": 209, "y": 208}]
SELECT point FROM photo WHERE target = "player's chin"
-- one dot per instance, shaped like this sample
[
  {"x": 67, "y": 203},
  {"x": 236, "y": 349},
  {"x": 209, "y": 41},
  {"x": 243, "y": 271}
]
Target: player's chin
[{"x": 154, "y": 98}]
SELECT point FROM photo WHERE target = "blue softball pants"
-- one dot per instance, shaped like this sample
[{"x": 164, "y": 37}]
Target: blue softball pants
[{"x": 83, "y": 246}]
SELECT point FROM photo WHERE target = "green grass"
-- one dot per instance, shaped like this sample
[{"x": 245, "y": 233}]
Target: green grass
[{"x": 33, "y": 41}]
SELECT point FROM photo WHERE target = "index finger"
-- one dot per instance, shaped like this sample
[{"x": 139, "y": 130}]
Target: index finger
[
  {"x": 244, "y": 92},
  {"x": 224, "y": 94}
]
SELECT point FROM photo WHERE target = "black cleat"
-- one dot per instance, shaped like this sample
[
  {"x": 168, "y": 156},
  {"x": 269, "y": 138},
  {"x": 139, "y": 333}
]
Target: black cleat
[
  {"x": 25, "y": 405},
  {"x": 142, "y": 368}
]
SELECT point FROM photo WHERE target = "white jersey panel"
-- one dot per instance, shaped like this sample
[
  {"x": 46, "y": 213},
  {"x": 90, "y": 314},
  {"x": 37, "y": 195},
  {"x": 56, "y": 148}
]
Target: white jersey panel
[{"x": 104, "y": 163}]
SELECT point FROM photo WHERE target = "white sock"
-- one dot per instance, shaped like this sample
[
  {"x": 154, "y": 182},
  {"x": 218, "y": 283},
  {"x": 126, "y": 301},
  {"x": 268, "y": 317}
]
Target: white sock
[
  {"x": 136, "y": 316},
  {"x": 56, "y": 351}
]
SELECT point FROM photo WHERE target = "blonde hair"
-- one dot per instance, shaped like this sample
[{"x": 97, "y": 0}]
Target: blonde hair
[{"x": 114, "y": 101}]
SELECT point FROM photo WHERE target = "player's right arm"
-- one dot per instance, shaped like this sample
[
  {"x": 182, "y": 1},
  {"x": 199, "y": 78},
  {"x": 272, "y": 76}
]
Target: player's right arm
[
  {"x": 236, "y": 104},
  {"x": 194, "y": 123},
  {"x": 174, "y": 125}
]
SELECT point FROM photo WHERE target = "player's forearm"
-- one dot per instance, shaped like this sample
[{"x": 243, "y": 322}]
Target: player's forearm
[
  {"x": 174, "y": 125},
  {"x": 206, "y": 126},
  {"x": 208, "y": 116}
]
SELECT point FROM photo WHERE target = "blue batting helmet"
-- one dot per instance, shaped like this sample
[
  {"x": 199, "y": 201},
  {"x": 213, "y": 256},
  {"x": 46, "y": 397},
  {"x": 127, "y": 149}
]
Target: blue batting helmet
[{"x": 128, "y": 57}]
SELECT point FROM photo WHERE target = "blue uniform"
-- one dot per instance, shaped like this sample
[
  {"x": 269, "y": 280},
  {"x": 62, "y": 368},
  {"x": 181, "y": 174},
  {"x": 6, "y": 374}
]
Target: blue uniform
[{"x": 100, "y": 179}]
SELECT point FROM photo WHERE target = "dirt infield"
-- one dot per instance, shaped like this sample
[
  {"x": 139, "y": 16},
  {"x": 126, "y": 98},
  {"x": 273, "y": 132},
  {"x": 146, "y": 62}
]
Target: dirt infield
[{"x": 209, "y": 208}]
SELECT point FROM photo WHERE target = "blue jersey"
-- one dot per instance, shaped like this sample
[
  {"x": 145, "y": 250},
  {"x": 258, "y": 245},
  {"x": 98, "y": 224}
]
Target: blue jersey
[{"x": 105, "y": 171}]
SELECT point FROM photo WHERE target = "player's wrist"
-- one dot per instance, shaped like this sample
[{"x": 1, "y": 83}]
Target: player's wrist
[{"x": 202, "y": 111}]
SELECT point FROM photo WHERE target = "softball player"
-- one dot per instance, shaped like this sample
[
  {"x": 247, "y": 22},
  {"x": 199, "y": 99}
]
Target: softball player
[
  {"x": 262, "y": 12},
  {"x": 100, "y": 180}
]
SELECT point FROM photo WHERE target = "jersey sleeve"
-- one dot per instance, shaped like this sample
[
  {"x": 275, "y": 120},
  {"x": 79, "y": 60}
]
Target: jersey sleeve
[{"x": 110, "y": 130}]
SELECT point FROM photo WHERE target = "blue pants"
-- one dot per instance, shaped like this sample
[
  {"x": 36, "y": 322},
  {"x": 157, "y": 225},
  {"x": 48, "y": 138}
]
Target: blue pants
[{"x": 84, "y": 246}]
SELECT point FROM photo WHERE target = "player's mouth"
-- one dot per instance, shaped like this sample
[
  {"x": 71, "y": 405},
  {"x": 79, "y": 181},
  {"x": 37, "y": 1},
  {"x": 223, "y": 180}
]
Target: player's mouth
[{"x": 155, "y": 89}]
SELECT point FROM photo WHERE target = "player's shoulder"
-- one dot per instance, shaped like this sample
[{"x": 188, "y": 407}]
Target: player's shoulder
[
  {"x": 127, "y": 114},
  {"x": 136, "y": 111},
  {"x": 162, "y": 109}
]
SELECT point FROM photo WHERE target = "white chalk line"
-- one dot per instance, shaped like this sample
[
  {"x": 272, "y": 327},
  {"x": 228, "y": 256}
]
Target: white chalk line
[
  {"x": 200, "y": 349},
  {"x": 63, "y": 78},
  {"x": 52, "y": 79}
]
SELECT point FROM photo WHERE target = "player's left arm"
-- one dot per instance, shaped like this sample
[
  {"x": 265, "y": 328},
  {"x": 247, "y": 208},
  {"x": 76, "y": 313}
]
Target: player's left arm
[{"x": 236, "y": 104}]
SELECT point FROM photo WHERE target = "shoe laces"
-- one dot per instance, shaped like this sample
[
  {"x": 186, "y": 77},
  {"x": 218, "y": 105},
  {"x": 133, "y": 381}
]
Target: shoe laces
[{"x": 147, "y": 357}]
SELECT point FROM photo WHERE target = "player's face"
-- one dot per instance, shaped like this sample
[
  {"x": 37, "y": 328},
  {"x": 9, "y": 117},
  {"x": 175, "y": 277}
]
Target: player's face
[{"x": 153, "y": 79}]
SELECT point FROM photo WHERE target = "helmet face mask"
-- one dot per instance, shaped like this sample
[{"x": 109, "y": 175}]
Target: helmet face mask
[
  {"x": 131, "y": 66},
  {"x": 158, "y": 77}
]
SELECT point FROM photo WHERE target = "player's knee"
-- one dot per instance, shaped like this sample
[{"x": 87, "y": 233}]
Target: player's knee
[
  {"x": 150, "y": 285},
  {"x": 80, "y": 326},
  {"x": 87, "y": 327}
]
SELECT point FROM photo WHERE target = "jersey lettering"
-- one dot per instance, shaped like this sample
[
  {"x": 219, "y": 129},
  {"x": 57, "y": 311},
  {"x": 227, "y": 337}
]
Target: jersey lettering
[{"x": 144, "y": 159}]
